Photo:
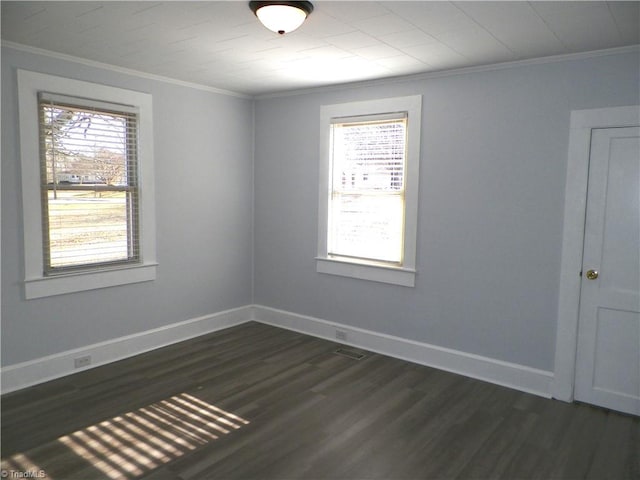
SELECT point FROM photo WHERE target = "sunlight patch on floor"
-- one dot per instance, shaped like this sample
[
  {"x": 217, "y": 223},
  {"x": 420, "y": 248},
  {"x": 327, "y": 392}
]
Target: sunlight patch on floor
[{"x": 134, "y": 443}]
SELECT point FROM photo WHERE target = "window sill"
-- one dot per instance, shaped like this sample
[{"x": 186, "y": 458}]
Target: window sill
[
  {"x": 367, "y": 271},
  {"x": 89, "y": 280}
]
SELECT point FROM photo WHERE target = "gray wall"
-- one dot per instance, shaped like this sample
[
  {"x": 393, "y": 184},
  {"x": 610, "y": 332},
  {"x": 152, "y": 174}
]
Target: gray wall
[
  {"x": 203, "y": 159},
  {"x": 492, "y": 177},
  {"x": 494, "y": 153}
]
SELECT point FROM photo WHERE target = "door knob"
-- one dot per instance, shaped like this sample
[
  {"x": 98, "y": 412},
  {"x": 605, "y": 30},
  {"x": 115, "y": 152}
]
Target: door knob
[{"x": 592, "y": 274}]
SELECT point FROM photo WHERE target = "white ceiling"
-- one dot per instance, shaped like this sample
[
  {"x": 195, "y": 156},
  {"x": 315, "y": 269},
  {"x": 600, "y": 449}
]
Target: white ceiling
[{"x": 222, "y": 45}]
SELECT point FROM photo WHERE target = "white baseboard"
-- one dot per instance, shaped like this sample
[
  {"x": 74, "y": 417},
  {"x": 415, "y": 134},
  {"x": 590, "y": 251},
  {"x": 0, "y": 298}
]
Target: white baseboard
[
  {"x": 519, "y": 377},
  {"x": 512, "y": 375},
  {"x": 21, "y": 375}
]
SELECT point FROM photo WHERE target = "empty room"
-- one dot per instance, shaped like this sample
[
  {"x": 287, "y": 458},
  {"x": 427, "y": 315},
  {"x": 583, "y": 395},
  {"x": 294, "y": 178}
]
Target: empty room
[{"x": 283, "y": 240}]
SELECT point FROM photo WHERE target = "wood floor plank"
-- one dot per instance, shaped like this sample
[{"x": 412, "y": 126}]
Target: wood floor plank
[
  {"x": 258, "y": 402},
  {"x": 612, "y": 460}
]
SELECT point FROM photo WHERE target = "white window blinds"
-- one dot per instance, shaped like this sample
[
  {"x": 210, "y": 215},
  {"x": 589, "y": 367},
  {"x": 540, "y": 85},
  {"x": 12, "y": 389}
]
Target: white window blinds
[
  {"x": 88, "y": 161},
  {"x": 367, "y": 183}
]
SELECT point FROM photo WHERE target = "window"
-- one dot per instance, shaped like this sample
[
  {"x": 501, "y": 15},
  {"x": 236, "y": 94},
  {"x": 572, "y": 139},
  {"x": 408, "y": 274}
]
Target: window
[
  {"x": 366, "y": 206},
  {"x": 87, "y": 175},
  {"x": 368, "y": 189},
  {"x": 88, "y": 161}
]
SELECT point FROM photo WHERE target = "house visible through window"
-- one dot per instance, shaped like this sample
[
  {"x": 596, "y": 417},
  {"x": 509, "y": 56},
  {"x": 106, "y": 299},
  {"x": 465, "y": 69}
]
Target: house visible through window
[
  {"x": 88, "y": 153},
  {"x": 369, "y": 163},
  {"x": 88, "y": 194},
  {"x": 366, "y": 213}
]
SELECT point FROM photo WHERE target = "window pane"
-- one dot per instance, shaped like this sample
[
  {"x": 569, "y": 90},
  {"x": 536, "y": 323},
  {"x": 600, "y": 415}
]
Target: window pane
[
  {"x": 83, "y": 146},
  {"x": 367, "y": 226},
  {"x": 90, "y": 178},
  {"x": 88, "y": 227},
  {"x": 369, "y": 156},
  {"x": 366, "y": 218}
]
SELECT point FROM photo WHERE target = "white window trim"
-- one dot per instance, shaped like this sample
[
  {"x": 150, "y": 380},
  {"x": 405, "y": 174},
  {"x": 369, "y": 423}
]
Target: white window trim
[
  {"x": 380, "y": 272},
  {"x": 36, "y": 283}
]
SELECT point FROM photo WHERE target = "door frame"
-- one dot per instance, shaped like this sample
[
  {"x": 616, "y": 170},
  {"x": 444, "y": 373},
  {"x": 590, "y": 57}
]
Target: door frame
[{"x": 575, "y": 208}]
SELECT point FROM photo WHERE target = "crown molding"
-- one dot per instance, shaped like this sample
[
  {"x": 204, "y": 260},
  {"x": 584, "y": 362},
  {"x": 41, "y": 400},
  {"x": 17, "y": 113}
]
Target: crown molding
[
  {"x": 453, "y": 72},
  {"x": 123, "y": 70},
  {"x": 334, "y": 87}
]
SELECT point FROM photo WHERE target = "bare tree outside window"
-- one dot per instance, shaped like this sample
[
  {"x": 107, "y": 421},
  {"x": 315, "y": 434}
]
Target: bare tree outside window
[{"x": 88, "y": 165}]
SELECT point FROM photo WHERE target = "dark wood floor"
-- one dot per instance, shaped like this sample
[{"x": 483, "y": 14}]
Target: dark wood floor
[{"x": 258, "y": 402}]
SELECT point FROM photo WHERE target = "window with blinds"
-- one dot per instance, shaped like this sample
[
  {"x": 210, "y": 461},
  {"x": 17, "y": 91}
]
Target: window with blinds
[
  {"x": 89, "y": 183},
  {"x": 367, "y": 198},
  {"x": 368, "y": 189}
]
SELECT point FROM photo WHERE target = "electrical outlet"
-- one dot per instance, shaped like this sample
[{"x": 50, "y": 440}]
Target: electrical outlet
[
  {"x": 80, "y": 362},
  {"x": 341, "y": 335}
]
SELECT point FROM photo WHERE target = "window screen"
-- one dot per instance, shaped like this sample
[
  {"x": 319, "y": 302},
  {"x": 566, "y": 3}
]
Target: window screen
[
  {"x": 367, "y": 200},
  {"x": 88, "y": 156}
]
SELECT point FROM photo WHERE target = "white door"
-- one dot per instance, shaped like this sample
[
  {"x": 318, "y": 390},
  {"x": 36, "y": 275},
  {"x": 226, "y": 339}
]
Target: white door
[{"x": 608, "y": 356}]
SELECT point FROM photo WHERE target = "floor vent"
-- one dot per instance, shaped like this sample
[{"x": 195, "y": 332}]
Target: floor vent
[{"x": 350, "y": 353}]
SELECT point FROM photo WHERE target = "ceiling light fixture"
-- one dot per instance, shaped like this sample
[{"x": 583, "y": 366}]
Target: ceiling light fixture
[{"x": 281, "y": 17}]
